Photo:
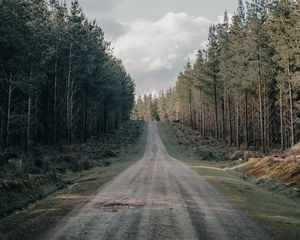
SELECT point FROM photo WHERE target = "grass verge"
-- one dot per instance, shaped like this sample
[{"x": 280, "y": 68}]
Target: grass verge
[
  {"x": 183, "y": 144},
  {"x": 278, "y": 214},
  {"x": 31, "y": 222}
]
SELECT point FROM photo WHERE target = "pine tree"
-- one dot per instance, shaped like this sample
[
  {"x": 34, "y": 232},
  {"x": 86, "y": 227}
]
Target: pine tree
[
  {"x": 260, "y": 67},
  {"x": 225, "y": 55},
  {"x": 213, "y": 71}
]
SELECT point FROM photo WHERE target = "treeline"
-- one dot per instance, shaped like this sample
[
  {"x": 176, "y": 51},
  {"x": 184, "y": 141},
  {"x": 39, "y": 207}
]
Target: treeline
[
  {"x": 244, "y": 88},
  {"x": 146, "y": 108},
  {"x": 59, "y": 80}
]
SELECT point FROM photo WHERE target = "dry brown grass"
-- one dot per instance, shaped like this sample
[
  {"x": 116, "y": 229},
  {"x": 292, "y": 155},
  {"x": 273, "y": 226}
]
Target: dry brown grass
[{"x": 284, "y": 168}]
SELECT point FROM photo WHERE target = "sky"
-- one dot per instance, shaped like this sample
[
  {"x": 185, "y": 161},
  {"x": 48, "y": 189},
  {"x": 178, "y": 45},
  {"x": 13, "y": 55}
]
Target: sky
[{"x": 155, "y": 38}]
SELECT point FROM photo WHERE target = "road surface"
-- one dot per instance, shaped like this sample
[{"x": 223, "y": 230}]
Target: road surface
[{"x": 157, "y": 198}]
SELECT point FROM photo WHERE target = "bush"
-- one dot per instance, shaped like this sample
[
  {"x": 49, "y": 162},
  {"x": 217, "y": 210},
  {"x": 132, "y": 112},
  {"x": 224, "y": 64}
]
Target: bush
[{"x": 87, "y": 164}]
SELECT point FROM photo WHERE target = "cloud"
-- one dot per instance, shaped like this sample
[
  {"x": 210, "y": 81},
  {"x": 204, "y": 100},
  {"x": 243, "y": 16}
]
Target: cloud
[
  {"x": 155, "y": 51},
  {"x": 112, "y": 28}
]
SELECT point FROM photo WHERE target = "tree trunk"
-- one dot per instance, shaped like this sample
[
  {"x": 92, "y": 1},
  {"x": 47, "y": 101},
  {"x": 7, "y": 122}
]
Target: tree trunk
[
  {"x": 195, "y": 119},
  {"x": 226, "y": 110},
  {"x": 265, "y": 118},
  {"x": 28, "y": 124},
  {"x": 86, "y": 115},
  {"x": 229, "y": 120},
  {"x": 35, "y": 118},
  {"x": 6, "y": 143},
  {"x": 190, "y": 109},
  {"x": 1, "y": 130},
  {"x": 72, "y": 109},
  {"x": 246, "y": 120},
  {"x": 69, "y": 114},
  {"x": 216, "y": 109},
  {"x": 200, "y": 115},
  {"x": 204, "y": 121},
  {"x": 261, "y": 116},
  {"x": 281, "y": 119},
  {"x": 253, "y": 122},
  {"x": 55, "y": 100},
  {"x": 261, "y": 120},
  {"x": 237, "y": 127},
  {"x": 223, "y": 120},
  {"x": 291, "y": 106},
  {"x": 27, "y": 145}
]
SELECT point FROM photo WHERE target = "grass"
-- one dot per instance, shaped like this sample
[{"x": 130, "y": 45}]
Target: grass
[
  {"x": 31, "y": 222},
  {"x": 278, "y": 214},
  {"x": 189, "y": 153}
]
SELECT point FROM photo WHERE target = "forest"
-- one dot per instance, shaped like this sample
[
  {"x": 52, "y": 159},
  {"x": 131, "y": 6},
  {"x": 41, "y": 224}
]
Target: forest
[
  {"x": 215, "y": 156},
  {"x": 59, "y": 80},
  {"x": 244, "y": 88}
]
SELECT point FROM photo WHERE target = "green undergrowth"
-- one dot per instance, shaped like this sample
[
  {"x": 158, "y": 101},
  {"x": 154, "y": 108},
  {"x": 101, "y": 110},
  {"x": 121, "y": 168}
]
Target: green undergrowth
[
  {"x": 25, "y": 178},
  {"x": 183, "y": 143},
  {"x": 175, "y": 137},
  {"x": 36, "y": 218},
  {"x": 279, "y": 214}
]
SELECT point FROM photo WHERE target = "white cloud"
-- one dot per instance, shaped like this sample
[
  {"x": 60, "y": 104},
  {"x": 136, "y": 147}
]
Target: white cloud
[
  {"x": 159, "y": 42},
  {"x": 155, "y": 51}
]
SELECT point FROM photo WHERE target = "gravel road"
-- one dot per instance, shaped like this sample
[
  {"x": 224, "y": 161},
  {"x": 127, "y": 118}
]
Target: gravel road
[{"x": 157, "y": 198}]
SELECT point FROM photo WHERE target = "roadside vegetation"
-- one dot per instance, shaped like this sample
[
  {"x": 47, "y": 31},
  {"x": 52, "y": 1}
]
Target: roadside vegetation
[
  {"x": 186, "y": 143},
  {"x": 72, "y": 174},
  {"x": 270, "y": 202}
]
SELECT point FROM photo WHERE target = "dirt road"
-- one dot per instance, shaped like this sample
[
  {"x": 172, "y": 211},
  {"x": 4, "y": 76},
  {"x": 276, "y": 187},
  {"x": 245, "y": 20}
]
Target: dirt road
[{"x": 157, "y": 198}]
